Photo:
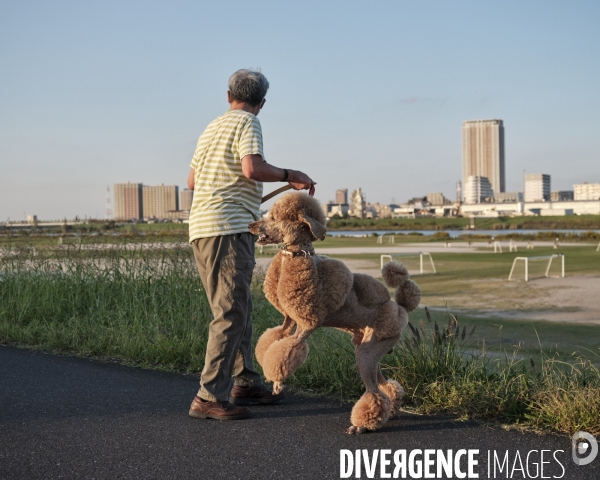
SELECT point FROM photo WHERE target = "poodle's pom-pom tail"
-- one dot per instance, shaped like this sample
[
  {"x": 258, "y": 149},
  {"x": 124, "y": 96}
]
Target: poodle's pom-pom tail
[
  {"x": 394, "y": 274},
  {"x": 394, "y": 392},
  {"x": 269, "y": 336},
  {"x": 283, "y": 358},
  {"x": 371, "y": 411},
  {"x": 408, "y": 293}
]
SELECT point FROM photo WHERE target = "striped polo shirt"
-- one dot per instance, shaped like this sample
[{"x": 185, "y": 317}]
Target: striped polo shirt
[{"x": 225, "y": 201}]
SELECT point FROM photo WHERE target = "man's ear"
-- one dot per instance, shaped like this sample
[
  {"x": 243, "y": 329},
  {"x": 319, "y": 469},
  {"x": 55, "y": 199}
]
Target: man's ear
[{"x": 317, "y": 230}]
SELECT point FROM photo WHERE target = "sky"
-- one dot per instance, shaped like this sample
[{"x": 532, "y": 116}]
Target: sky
[{"x": 368, "y": 94}]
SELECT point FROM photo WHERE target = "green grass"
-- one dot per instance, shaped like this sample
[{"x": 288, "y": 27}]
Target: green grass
[
  {"x": 147, "y": 307},
  {"x": 453, "y": 223},
  {"x": 476, "y": 283},
  {"x": 485, "y": 272},
  {"x": 533, "y": 339},
  {"x": 445, "y": 369}
]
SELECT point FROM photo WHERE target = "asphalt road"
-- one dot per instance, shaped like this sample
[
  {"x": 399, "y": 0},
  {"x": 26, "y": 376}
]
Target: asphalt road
[{"x": 67, "y": 417}]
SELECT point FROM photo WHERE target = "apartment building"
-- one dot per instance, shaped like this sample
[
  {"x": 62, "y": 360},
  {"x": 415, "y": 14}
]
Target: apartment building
[
  {"x": 159, "y": 200},
  {"x": 483, "y": 152},
  {"x": 128, "y": 201},
  {"x": 537, "y": 187},
  {"x": 586, "y": 191}
]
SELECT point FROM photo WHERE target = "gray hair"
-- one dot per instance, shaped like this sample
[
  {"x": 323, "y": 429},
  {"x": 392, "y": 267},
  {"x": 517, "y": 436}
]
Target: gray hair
[{"x": 248, "y": 86}]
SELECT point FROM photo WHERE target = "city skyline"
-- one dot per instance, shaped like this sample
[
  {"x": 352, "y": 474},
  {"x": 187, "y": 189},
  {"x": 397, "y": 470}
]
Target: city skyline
[
  {"x": 368, "y": 95},
  {"x": 139, "y": 202}
]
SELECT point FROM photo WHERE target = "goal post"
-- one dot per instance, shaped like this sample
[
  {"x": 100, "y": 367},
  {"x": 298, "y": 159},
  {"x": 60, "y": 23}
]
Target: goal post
[
  {"x": 422, "y": 260},
  {"x": 391, "y": 239},
  {"x": 542, "y": 258}
]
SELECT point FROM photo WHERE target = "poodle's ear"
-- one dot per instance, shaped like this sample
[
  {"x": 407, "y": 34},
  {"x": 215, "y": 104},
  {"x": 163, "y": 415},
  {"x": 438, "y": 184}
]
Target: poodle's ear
[{"x": 317, "y": 230}]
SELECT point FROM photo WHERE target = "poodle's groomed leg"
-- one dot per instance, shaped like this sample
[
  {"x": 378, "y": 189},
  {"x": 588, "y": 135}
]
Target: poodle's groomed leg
[
  {"x": 271, "y": 335},
  {"x": 372, "y": 410},
  {"x": 393, "y": 390},
  {"x": 284, "y": 356}
]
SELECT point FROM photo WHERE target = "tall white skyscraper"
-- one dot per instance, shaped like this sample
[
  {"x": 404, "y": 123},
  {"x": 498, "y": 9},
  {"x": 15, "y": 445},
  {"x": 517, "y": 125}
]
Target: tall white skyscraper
[{"x": 483, "y": 152}]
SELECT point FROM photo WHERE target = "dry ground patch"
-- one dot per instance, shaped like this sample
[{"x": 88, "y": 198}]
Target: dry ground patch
[{"x": 477, "y": 283}]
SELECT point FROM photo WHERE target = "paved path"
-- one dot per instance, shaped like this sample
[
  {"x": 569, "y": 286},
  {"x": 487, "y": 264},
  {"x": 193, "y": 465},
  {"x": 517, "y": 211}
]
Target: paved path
[{"x": 66, "y": 417}]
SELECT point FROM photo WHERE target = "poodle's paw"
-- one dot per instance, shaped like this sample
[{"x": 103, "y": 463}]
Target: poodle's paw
[
  {"x": 371, "y": 411},
  {"x": 354, "y": 430},
  {"x": 394, "y": 392},
  {"x": 269, "y": 336},
  {"x": 283, "y": 358},
  {"x": 278, "y": 387}
]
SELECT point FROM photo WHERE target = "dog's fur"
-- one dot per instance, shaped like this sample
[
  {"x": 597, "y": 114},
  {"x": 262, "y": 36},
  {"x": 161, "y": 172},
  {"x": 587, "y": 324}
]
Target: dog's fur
[{"x": 313, "y": 291}]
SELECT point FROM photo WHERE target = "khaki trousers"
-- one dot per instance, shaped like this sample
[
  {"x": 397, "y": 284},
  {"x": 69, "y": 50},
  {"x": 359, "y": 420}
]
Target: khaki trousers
[{"x": 225, "y": 264}]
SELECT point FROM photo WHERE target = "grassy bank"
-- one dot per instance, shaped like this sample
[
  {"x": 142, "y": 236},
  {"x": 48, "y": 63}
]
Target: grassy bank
[
  {"x": 459, "y": 223},
  {"x": 445, "y": 368},
  {"x": 147, "y": 307}
]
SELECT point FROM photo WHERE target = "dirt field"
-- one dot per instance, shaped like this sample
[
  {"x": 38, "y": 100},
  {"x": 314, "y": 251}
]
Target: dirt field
[{"x": 569, "y": 299}]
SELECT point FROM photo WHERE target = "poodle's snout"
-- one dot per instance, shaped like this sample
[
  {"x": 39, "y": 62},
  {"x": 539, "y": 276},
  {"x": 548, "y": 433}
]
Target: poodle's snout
[{"x": 255, "y": 227}]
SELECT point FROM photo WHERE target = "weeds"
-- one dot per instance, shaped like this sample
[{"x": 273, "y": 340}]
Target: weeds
[
  {"x": 446, "y": 369},
  {"x": 146, "y": 305}
]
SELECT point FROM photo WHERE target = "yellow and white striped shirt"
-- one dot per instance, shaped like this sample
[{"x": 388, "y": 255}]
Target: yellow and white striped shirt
[{"x": 225, "y": 201}]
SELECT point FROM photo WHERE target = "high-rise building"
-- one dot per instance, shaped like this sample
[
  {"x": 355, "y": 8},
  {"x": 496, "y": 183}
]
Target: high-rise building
[
  {"x": 341, "y": 196},
  {"x": 587, "y": 191},
  {"x": 537, "y": 187},
  {"x": 159, "y": 200},
  {"x": 128, "y": 201},
  {"x": 483, "y": 152},
  {"x": 186, "y": 198},
  {"x": 477, "y": 189}
]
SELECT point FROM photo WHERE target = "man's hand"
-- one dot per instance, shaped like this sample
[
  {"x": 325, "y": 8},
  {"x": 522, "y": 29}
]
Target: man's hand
[{"x": 300, "y": 181}]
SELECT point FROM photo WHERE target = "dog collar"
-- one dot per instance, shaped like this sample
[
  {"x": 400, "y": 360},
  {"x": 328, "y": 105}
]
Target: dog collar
[{"x": 303, "y": 252}]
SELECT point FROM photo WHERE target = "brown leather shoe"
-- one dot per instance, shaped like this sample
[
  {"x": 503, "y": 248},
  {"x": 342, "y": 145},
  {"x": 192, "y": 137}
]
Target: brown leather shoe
[
  {"x": 257, "y": 394},
  {"x": 218, "y": 410}
]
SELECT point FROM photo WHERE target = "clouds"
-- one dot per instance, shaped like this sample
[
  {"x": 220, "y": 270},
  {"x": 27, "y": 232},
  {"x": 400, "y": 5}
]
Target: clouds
[{"x": 428, "y": 101}]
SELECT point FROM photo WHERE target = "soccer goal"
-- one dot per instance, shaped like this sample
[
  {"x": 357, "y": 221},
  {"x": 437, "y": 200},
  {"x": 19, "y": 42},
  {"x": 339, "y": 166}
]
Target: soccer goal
[
  {"x": 415, "y": 262},
  {"x": 538, "y": 267},
  {"x": 391, "y": 239}
]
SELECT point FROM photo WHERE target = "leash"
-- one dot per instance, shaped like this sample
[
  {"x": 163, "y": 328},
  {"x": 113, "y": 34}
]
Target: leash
[
  {"x": 285, "y": 188},
  {"x": 276, "y": 192}
]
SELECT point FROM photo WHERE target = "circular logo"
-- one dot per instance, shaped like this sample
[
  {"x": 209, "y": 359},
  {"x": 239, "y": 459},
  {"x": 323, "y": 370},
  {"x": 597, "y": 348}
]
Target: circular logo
[{"x": 584, "y": 447}]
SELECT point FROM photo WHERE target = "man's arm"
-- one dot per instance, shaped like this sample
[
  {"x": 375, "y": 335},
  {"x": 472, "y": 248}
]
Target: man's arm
[
  {"x": 255, "y": 168},
  {"x": 192, "y": 179}
]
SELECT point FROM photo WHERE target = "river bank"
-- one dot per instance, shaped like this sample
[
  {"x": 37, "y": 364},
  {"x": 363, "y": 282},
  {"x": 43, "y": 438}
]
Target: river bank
[{"x": 568, "y": 222}]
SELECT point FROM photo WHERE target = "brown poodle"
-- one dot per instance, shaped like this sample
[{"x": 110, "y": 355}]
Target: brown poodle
[{"x": 313, "y": 291}]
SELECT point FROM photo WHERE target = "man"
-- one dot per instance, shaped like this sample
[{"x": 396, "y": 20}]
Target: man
[{"x": 226, "y": 174}]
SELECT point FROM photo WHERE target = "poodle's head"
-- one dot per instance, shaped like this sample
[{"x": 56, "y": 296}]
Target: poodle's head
[{"x": 294, "y": 219}]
